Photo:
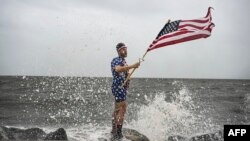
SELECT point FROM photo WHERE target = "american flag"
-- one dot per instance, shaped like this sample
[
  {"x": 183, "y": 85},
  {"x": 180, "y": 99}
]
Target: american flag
[{"x": 183, "y": 30}]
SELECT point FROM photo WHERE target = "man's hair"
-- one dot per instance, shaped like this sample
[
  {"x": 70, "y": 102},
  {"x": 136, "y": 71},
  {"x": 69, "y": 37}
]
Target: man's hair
[{"x": 120, "y": 45}]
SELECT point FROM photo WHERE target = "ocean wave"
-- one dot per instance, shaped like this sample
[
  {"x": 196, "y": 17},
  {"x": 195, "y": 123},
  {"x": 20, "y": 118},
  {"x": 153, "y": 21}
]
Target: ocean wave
[{"x": 160, "y": 118}]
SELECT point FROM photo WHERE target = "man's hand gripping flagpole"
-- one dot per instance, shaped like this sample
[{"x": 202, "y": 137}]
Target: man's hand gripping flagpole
[
  {"x": 140, "y": 60},
  {"x": 130, "y": 74}
]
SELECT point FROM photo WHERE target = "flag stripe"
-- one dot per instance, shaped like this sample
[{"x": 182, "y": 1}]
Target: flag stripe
[
  {"x": 184, "y": 39},
  {"x": 171, "y": 35},
  {"x": 202, "y": 20},
  {"x": 191, "y": 26},
  {"x": 189, "y": 38},
  {"x": 183, "y": 35},
  {"x": 193, "y": 23}
]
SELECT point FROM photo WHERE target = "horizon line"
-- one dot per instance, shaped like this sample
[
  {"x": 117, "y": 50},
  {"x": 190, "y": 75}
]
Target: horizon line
[{"x": 132, "y": 78}]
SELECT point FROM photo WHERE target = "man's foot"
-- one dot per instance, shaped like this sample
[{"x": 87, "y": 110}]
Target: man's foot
[
  {"x": 119, "y": 134},
  {"x": 116, "y": 137}
]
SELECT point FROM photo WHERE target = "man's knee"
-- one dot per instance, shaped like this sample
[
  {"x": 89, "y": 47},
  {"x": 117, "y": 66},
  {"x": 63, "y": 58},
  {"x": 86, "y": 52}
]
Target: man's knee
[{"x": 120, "y": 120}]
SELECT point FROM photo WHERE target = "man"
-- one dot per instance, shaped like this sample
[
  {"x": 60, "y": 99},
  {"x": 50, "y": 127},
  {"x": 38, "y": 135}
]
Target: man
[{"x": 120, "y": 71}]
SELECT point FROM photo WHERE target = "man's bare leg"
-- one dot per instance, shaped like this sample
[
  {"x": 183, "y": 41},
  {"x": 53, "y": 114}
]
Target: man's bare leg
[{"x": 122, "y": 106}]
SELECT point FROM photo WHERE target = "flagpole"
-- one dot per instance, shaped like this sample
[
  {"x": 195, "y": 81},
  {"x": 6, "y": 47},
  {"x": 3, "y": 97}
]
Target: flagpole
[{"x": 130, "y": 74}]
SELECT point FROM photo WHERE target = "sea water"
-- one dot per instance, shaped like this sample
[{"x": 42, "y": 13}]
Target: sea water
[{"x": 157, "y": 107}]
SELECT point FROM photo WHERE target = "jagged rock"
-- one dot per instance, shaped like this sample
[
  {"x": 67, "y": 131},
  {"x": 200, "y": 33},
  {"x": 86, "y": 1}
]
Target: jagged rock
[
  {"x": 1, "y": 137},
  {"x": 21, "y": 134},
  {"x": 134, "y": 135},
  {"x": 102, "y": 139},
  {"x": 31, "y": 134},
  {"x": 217, "y": 136},
  {"x": 129, "y": 135},
  {"x": 59, "y": 134}
]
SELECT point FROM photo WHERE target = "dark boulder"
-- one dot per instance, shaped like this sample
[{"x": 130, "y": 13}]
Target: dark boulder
[
  {"x": 59, "y": 134},
  {"x": 21, "y": 134},
  {"x": 1, "y": 137},
  {"x": 129, "y": 134},
  {"x": 31, "y": 134},
  {"x": 134, "y": 135},
  {"x": 217, "y": 136},
  {"x": 177, "y": 138}
]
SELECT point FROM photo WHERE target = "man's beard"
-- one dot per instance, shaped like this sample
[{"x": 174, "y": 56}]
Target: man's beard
[{"x": 124, "y": 54}]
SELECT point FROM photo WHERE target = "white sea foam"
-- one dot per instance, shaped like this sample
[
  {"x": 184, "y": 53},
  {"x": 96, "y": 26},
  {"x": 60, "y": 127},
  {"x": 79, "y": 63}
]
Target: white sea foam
[
  {"x": 160, "y": 119},
  {"x": 88, "y": 132}
]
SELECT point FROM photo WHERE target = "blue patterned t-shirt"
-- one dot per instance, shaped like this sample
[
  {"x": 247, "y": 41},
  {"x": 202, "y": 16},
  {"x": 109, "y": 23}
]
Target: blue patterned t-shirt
[{"x": 118, "y": 79}]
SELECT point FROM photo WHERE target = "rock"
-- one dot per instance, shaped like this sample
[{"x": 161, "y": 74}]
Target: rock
[
  {"x": 31, "y": 134},
  {"x": 177, "y": 138},
  {"x": 1, "y": 137},
  {"x": 217, "y": 136},
  {"x": 59, "y": 134},
  {"x": 134, "y": 135},
  {"x": 129, "y": 135},
  {"x": 21, "y": 134},
  {"x": 102, "y": 139}
]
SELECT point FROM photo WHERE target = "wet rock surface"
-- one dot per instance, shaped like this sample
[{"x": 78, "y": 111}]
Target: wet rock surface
[{"x": 11, "y": 133}]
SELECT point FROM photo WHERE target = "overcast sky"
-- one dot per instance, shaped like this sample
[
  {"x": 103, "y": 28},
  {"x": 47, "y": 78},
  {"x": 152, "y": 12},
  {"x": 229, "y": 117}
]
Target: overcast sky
[{"x": 78, "y": 38}]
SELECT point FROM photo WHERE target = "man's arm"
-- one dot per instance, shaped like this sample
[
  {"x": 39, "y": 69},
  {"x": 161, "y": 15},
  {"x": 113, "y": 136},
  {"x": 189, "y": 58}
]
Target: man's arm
[{"x": 126, "y": 68}]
